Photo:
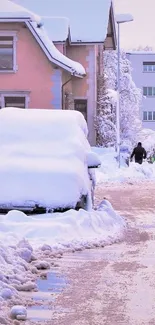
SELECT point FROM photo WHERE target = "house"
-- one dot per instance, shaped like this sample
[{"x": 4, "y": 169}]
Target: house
[
  {"x": 53, "y": 62},
  {"x": 143, "y": 64}
]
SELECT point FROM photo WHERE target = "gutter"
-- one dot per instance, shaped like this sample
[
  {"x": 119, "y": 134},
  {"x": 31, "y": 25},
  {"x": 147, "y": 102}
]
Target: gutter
[{"x": 62, "y": 91}]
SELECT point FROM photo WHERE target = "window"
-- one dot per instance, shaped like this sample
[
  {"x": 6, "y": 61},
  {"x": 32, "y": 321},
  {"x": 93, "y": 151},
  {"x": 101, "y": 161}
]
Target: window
[
  {"x": 14, "y": 101},
  {"x": 6, "y": 53},
  {"x": 144, "y": 116},
  {"x": 149, "y": 116},
  {"x": 145, "y": 91},
  {"x": 81, "y": 106},
  {"x": 148, "y": 66},
  {"x": 149, "y": 91}
]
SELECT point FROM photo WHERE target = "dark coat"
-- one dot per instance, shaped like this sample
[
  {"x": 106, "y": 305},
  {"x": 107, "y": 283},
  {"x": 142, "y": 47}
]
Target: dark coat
[{"x": 139, "y": 153}]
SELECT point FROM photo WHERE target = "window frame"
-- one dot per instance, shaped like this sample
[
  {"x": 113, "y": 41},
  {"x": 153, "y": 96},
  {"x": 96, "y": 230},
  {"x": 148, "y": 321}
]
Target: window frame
[
  {"x": 149, "y": 113},
  {"x": 25, "y": 94},
  {"x": 145, "y": 112},
  {"x": 12, "y": 34},
  {"x": 148, "y": 64},
  {"x": 147, "y": 116},
  {"x": 147, "y": 88}
]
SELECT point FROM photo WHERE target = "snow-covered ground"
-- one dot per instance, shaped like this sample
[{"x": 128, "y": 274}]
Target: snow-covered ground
[
  {"x": 41, "y": 164},
  {"x": 110, "y": 172},
  {"x": 28, "y": 243}
]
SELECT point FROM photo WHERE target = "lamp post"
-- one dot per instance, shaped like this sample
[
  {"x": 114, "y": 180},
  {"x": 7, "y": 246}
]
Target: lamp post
[{"x": 120, "y": 19}]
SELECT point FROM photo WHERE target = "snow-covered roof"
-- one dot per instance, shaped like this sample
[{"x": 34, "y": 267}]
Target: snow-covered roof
[
  {"x": 57, "y": 28},
  {"x": 88, "y": 18},
  {"x": 10, "y": 10},
  {"x": 53, "y": 53}
]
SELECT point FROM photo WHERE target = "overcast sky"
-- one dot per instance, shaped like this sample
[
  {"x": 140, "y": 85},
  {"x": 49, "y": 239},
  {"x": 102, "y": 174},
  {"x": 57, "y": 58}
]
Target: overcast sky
[{"x": 141, "y": 32}]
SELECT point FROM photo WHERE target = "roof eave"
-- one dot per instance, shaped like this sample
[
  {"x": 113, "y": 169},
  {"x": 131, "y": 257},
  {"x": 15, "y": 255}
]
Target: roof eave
[
  {"x": 15, "y": 19},
  {"x": 86, "y": 43},
  {"x": 48, "y": 54}
]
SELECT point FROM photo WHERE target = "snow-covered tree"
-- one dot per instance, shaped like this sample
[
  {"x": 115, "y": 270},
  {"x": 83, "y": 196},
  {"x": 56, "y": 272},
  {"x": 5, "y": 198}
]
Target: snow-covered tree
[
  {"x": 105, "y": 122},
  {"x": 130, "y": 101}
]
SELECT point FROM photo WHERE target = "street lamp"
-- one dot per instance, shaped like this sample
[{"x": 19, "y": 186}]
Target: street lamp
[{"x": 120, "y": 19}]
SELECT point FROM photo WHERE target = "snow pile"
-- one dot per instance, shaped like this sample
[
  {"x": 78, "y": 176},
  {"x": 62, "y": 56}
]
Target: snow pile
[
  {"x": 61, "y": 230},
  {"x": 39, "y": 163},
  {"x": 109, "y": 170},
  {"x": 15, "y": 274},
  {"x": 47, "y": 236},
  {"x": 18, "y": 312}
]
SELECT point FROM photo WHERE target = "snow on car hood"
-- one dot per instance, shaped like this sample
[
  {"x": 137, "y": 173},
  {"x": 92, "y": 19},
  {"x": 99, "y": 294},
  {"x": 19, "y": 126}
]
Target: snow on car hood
[{"x": 43, "y": 157}]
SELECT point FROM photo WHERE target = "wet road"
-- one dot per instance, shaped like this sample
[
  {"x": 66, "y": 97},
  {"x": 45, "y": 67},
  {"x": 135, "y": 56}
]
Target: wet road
[{"x": 114, "y": 285}]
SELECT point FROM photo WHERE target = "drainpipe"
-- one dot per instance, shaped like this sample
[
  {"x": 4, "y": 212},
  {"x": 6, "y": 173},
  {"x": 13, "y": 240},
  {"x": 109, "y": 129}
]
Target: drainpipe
[{"x": 62, "y": 92}]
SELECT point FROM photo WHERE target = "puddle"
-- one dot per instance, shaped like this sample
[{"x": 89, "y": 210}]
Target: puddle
[
  {"x": 48, "y": 288},
  {"x": 54, "y": 282}
]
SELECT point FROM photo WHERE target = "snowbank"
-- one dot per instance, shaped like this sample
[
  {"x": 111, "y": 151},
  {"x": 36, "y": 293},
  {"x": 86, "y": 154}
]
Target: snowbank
[
  {"x": 47, "y": 236},
  {"x": 44, "y": 158},
  {"x": 109, "y": 170},
  {"x": 61, "y": 230}
]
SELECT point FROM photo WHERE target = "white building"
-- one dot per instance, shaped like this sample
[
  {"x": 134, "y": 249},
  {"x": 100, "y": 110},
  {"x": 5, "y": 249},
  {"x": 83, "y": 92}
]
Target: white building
[{"x": 143, "y": 64}]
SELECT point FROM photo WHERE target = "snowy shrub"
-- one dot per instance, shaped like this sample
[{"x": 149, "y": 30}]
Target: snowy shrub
[{"x": 130, "y": 101}]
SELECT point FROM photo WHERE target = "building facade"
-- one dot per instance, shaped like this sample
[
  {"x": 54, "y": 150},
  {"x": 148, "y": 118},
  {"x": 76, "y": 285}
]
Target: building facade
[
  {"x": 143, "y": 65},
  {"x": 53, "y": 63}
]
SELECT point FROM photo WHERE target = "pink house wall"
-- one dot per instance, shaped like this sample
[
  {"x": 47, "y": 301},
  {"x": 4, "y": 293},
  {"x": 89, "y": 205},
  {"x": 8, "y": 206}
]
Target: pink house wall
[
  {"x": 79, "y": 54},
  {"x": 60, "y": 47},
  {"x": 34, "y": 70},
  {"x": 86, "y": 88}
]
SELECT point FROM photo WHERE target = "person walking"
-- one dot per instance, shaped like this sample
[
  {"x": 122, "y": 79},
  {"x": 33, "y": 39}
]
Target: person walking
[{"x": 139, "y": 153}]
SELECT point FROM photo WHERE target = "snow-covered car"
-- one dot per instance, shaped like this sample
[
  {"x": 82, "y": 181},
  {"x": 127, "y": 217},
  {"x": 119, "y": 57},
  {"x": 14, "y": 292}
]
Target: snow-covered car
[{"x": 46, "y": 162}]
